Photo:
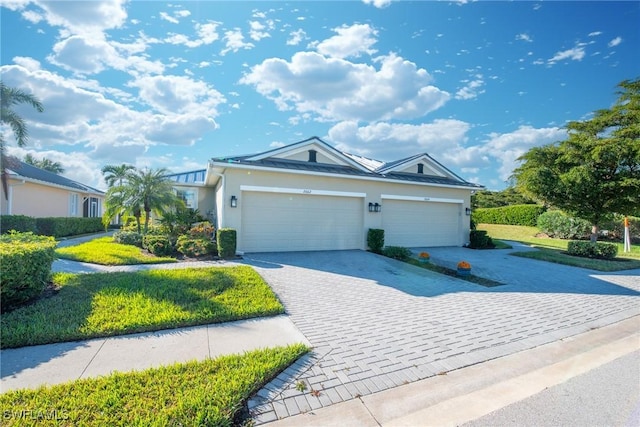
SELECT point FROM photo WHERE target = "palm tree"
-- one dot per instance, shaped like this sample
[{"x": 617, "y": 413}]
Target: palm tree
[
  {"x": 144, "y": 190},
  {"x": 116, "y": 174},
  {"x": 10, "y": 97},
  {"x": 46, "y": 164}
]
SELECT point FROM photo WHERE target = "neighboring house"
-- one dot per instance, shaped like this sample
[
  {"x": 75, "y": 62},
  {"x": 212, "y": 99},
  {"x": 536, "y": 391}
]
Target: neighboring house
[
  {"x": 39, "y": 193},
  {"x": 311, "y": 196}
]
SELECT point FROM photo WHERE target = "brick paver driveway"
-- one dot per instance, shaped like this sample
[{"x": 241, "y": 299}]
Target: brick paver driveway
[{"x": 376, "y": 323}]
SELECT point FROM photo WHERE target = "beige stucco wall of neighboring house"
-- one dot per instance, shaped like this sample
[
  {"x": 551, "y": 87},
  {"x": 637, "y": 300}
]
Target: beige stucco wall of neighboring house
[
  {"x": 374, "y": 189},
  {"x": 37, "y": 200}
]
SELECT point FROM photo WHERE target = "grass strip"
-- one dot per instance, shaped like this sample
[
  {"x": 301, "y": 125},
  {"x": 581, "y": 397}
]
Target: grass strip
[
  {"x": 210, "y": 392},
  {"x": 105, "y": 251},
  {"x": 107, "y": 304},
  {"x": 453, "y": 273},
  {"x": 559, "y": 257}
]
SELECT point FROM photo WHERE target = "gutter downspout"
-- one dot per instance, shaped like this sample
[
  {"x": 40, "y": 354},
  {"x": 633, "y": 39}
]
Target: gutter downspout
[
  {"x": 10, "y": 201},
  {"x": 223, "y": 184}
]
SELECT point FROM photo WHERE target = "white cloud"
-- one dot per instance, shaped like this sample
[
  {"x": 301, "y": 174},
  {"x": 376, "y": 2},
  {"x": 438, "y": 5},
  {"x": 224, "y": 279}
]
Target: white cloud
[
  {"x": 182, "y": 13},
  {"x": 168, "y": 18},
  {"x": 575, "y": 54},
  {"x": 170, "y": 111},
  {"x": 259, "y": 30},
  {"x": 507, "y": 147},
  {"x": 472, "y": 89},
  {"x": 350, "y": 41},
  {"x": 27, "y": 62},
  {"x": 295, "y": 37},
  {"x": 378, "y": 3},
  {"x": 615, "y": 42},
  {"x": 234, "y": 41},
  {"x": 595, "y": 33},
  {"x": 334, "y": 89},
  {"x": 392, "y": 141},
  {"x": 178, "y": 94},
  {"x": 524, "y": 37},
  {"x": 82, "y": 16},
  {"x": 90, "y": 54}
]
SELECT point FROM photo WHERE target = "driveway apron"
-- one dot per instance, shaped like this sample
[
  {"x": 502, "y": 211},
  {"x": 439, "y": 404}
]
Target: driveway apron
[{"x": 376, "y": 323}]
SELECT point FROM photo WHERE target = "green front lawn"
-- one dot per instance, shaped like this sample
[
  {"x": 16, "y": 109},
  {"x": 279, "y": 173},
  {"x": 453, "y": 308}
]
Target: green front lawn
[
  {"x": 193, "y": 394},
  {"x": 106, "y": 304},
  {"x": 554, "y": 250},
  {"x": 105, "y": 251}
]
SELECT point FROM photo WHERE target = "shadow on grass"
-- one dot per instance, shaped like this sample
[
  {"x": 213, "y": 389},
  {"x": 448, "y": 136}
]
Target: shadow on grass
[{"x": 558, "y": 256}]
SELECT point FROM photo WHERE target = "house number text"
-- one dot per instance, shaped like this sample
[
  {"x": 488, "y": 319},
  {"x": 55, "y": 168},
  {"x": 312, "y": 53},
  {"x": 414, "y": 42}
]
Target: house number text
[{"x": 306, "y": 191}]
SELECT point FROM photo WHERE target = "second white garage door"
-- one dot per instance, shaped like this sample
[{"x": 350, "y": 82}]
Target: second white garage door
[
  {"x": 297, "y": 222},
  {"x": 418, "y": 223}
]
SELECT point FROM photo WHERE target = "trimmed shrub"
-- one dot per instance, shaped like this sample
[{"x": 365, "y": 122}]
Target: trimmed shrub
[
  {"x": 478, "y": 239},
  {"x": 226, "y": 238},
  {"x": 509, "y": 215},
  {"x": 158, "y": 244},
  {"x": 68, "y": 226},
  {"x": 375, "y": 240},
  {"x": 26, "y": 267},
  {"x": 397, "y": 252},
  {"x": 586, "y": 249},
  {"x": 20, "y": 223},
  {"x": 197, "y": 241},
  {"x": 558, "y": 224},
  {"x": 128, "y": 238}
]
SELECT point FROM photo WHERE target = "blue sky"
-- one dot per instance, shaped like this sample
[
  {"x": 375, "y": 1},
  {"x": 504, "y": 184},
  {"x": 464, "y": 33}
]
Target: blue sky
[{"x": 172, "y": 84}]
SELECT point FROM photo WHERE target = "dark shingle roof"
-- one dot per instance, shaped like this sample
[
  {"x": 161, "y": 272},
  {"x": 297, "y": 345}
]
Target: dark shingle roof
[
  {"x": 382, "y": 171},
  {"x": 29, "y": 171}
]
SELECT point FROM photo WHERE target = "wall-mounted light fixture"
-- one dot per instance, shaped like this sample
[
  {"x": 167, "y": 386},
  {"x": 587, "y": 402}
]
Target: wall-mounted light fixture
[
  {"x": 375, "y": 207},
  {"x": 371, "y": 207},
  {"x": 234, "y": 202},
  {"x": 467, "y": 211}
]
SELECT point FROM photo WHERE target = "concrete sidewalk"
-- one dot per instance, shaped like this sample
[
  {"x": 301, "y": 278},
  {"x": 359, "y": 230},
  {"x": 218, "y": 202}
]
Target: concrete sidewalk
[
  {"x": 466, "y": 394},
  {"x": 30, "y": 367}
]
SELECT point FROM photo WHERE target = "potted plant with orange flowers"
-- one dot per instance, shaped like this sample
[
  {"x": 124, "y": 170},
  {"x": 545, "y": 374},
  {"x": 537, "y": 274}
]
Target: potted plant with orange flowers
[
  {"x": 464, "y": 268},
  {"x": 424, "y": 257}
]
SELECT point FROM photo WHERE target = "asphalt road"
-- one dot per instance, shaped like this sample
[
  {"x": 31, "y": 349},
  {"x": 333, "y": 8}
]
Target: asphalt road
[{"x": 606, "y": 396}]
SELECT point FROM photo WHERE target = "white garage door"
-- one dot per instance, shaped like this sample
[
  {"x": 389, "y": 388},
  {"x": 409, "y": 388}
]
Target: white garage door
[
  {"x": 297, "y": 222},
  {"x": 417, "y": 223}
]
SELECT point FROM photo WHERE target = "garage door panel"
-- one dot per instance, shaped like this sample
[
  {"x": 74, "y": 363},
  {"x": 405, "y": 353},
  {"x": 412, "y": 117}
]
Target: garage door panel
[
  {"x": 292, "y": 222},
  {"x": 415, "y": 224}
]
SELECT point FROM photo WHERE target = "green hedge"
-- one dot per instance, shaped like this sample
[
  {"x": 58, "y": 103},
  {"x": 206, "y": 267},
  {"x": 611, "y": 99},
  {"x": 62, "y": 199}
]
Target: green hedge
[
  {"x": 226, "y": 238},
  {"x": 478, "y": 239},
  {"x": 132, "y": 238},
  {"x": 615, "y": 228},
  {"x": 20, "y": 223},
  {"x": 375, "y": 240},
  {"x": 509, "y": 215},
  {"x": 397, "y": 252},
  {"x": 592, "y": 250},
  {"x": 26, "y": 267},
  {"x": 51, "y": 226},
  {"x": 158, "y": 244}
]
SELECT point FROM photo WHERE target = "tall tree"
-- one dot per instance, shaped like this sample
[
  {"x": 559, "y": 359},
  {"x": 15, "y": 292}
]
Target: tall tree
[
  {"x": 9, "y": 97},
  {"x": 44, "y": 163},
  {"x": 144, "y": 190},
  {"x": 116, "y": 175},
  {"x": 595, "y": 172}
]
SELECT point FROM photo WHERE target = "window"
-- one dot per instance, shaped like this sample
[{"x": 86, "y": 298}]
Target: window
[
  {"x": 189, "y": 197},
  {"x": 73, "y": 204},
  {"x": 91, "y": 207}
]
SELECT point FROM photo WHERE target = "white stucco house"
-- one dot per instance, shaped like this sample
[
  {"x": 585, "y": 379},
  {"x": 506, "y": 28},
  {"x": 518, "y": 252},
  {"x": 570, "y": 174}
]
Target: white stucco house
[{"x": 311, "y": 196}]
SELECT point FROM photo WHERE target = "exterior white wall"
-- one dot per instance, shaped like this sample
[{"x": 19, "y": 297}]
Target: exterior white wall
[{"x": 374, "y": 189}]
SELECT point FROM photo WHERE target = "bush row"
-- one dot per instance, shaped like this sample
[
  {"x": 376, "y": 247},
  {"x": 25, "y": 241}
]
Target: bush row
[
  {"x": 50, "y": 226},
  {"x": 197, "y": 241},
  {"x": 592, "y": 250},
  {"x": 26, "y": 267},
  {"x": 509, "y": 215}
]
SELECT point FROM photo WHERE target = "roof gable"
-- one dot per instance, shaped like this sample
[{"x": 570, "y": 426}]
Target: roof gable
[
  {"x": 412, "y": 165},
  {"x": 300, "y": 152}
]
